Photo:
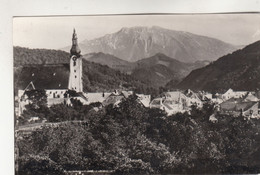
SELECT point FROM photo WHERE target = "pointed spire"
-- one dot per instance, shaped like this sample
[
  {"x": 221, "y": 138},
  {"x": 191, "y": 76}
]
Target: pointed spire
[{"x": 75, "y": 50}]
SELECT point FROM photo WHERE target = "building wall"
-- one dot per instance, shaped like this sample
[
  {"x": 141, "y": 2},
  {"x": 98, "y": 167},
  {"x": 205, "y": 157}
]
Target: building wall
[{"x": 75, "y": 80}]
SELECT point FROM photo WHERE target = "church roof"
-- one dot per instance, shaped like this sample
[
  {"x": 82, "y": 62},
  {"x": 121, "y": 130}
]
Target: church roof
[
  {"x": 50, "y": 76},
  {"x": 75, "y": 50}
]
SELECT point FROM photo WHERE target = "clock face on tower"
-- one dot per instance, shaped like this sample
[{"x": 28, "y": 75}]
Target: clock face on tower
[{"x": 74, "y": 58}]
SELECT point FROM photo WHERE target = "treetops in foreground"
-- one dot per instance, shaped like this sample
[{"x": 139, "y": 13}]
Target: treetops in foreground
[{"x": 132, "y": 139}]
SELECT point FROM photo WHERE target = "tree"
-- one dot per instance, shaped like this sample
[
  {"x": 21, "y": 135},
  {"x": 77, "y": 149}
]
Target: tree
[
  {"x": 40, "y": 165},
  {"x": 37, "y": 98}
]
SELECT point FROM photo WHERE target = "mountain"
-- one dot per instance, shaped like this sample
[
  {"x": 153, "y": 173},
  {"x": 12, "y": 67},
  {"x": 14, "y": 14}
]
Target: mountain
[
  {"x": 135, "y": 43},
  {"x": 239, "y": 71},
  {"x": 109, "y": 60},
  {"x": 160, "y": 69}
]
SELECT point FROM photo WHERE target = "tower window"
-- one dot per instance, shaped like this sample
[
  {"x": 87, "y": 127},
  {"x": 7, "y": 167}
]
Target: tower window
[
  {"x": 74, "y": 63},
  {"x": 75, "y": 76},
  {"x": 74, "y": 70}
]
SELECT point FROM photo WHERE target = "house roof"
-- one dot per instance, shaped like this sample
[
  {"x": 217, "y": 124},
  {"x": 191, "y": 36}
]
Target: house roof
[
  {"x": 113, "y": 99},
  {"x": 168, "y": 106},
  {"x": 236, "y": 105},
  {"x": 212, "y": 118},
  {"x": 51, "y": 76},
  {"x": 250, "y": 97},
  {"x": 175, "y": 95},
  {"x": 156, "y": 101},
  {"x": 96, "y": 97}
]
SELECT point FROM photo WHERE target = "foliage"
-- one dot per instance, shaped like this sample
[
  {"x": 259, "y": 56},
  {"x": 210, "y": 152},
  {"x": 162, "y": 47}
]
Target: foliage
[
  {"x": 24, "y": 56},
  {"x": 37, "y": 98},
  {"x": 132, "y": 139},
  {"x": 31, "y": 165}
]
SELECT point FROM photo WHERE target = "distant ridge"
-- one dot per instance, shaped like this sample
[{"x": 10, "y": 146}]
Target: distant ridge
[{"x": 135, "y": 43}]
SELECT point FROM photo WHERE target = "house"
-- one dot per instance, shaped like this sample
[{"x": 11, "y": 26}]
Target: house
[
  {"x": 115, "y": 98},
  {"x": 230, "y": 93},
  {"x": 176, "y": 101},
  {"x": 205, "y": 96},
  {"x": 157, "y": 103},
  {"x": 144, "y": 99},
  {"x": 169, "y": 105},
  {"x": 94, "y": 97},
  {"x": 192, "y": 99},
  {"x": 175, "y": 96},
  {"x": 237, "y": 107},
  {"x": 213, "y": 118},
  {"x": 250, "y": 97}
]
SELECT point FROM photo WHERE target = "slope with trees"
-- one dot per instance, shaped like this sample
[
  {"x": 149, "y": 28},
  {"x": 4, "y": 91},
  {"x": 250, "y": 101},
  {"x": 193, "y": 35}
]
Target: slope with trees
[{"x": 239, "y": 71}]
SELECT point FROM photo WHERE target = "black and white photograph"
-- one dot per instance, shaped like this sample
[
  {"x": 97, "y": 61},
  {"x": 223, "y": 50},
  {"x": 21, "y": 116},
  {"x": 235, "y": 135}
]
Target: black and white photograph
[{"x": 137, "y": 94}]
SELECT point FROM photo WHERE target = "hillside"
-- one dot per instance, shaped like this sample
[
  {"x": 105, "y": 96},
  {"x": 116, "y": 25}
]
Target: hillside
[
  {"x": 156, "y": 70},
  {"x": 23, "y": 56},
  {"x": 96, "y": 77},
  {"x": 135, "y": 43},
  {"x": 109, "y": 60},
  {"x": 160, "y": 69},
  {"x": 239, "y": 71}
]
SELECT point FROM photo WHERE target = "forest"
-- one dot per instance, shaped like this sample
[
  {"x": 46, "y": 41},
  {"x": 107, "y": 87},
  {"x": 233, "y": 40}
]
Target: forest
[{"x": 132, "y": 139}]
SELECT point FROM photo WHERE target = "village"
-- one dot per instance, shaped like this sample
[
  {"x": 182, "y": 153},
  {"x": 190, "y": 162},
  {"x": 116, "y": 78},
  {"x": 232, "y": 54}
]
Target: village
[
  {"x": 231, "y": 102},
  {"x": 63, "y": 84}
]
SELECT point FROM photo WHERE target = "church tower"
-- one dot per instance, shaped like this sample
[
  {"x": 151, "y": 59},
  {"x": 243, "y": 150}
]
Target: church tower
[{"x": 75, "y": 79}]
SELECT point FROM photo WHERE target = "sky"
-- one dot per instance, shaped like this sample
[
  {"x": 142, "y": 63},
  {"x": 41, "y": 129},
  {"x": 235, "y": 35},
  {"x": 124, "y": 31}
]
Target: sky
[{"x": 56, "y": 32}]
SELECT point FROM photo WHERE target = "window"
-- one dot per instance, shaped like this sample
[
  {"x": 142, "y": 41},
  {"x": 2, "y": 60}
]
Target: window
[
  {"x": 74, "y": 70},
  {"x": 74, "y": 63},
  {"x": 75, "y": 76}
]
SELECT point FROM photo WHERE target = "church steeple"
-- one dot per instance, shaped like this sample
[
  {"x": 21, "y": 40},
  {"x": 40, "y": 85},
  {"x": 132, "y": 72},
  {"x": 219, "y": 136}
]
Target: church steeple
[{"x": 75, "y": 50}]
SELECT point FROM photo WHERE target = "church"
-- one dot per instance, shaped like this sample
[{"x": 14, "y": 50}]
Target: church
[
  {"x": 55, "y": 79},
  {"x": 62, "y": 82}
]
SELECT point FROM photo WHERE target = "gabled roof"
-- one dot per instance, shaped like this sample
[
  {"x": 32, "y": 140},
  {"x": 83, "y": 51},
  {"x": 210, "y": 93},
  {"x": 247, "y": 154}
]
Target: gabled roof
[
  {"x": 50, "y": 76},
  {"x": 250, "y": 97}
]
